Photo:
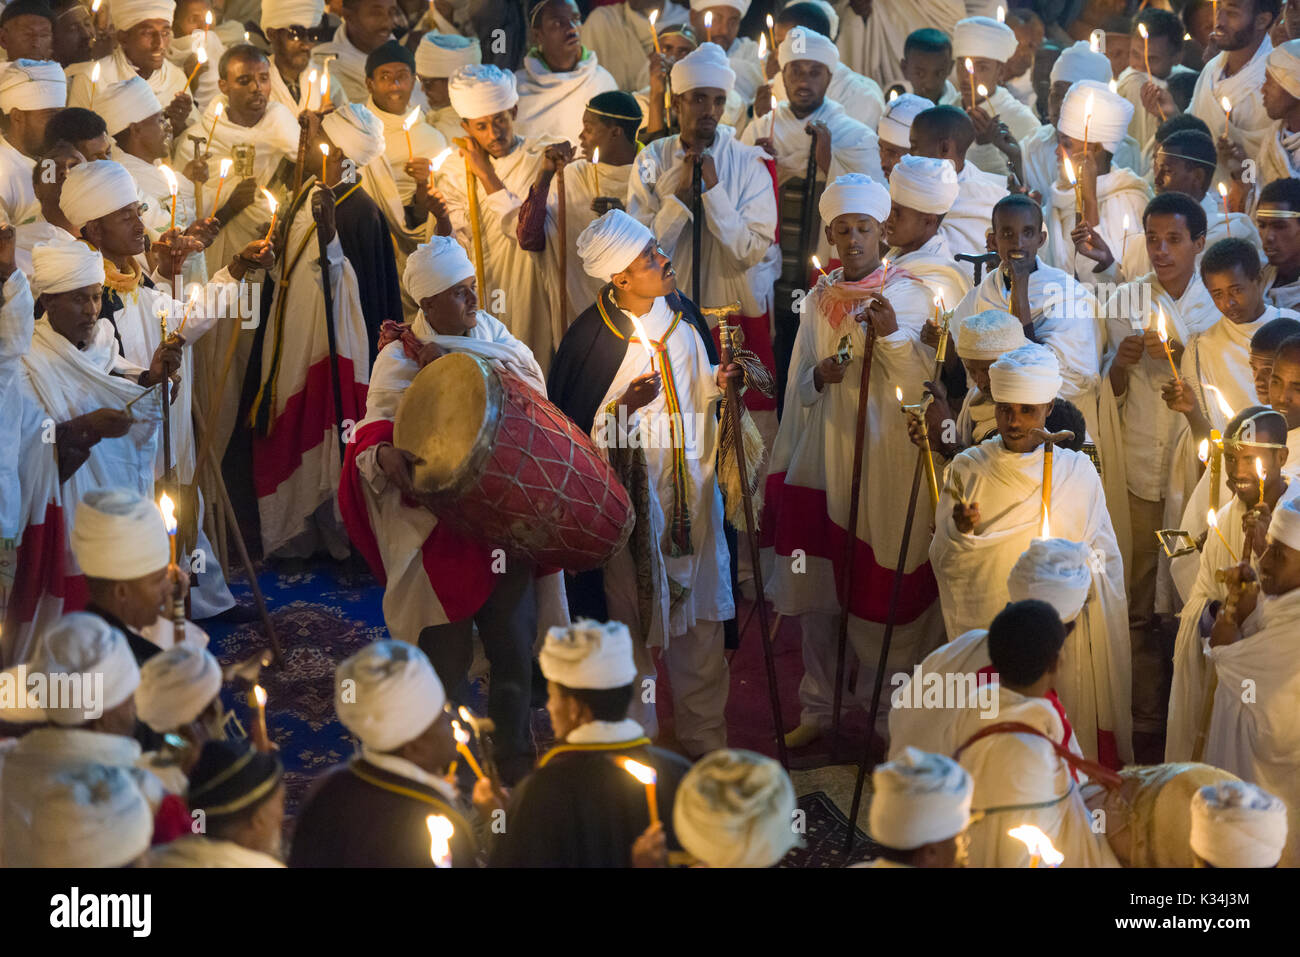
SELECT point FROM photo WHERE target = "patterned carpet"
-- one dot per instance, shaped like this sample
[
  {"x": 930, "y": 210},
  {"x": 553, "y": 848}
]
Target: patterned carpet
[{"x": 330, "y": 611}]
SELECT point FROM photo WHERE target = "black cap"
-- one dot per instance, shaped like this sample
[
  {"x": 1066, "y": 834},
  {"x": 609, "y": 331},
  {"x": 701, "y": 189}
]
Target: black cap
[
  {"x": 390, "y": 52},
  {"x": 31, "y": 8},
  {"x": 231, "y": 776}
]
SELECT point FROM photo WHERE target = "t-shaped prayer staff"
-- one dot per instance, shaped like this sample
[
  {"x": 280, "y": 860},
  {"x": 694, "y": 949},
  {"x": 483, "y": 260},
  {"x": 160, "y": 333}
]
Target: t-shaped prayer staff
[{"x": 1050, "y": 440}]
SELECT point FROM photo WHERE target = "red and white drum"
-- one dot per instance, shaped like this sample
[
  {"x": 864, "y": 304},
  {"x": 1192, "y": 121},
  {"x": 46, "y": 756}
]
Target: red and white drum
[{"x": 499, "y": 462}]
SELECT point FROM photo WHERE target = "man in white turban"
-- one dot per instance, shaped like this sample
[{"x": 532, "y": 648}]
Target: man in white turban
[
  {"x": 895, "y": 129},
  {"x": 437, "y": 59},
  {"x": 1279, "y": 156},
  {"x": 1089, "y": 133},
  {"x": 610, "y": 386},
  {"x": 402, "y": 540},
  {"x": 1018, "y": 749},
  {"x": 921, "y": 191},
  {"x": 558, "y": 75},
  {"x": 367, "y": 24},
  {"x": 583, "y": 806},
  {"x": 522, "y": 280},
  {"x": 31, "y": 91},
  {"x": 1236, "y": 824},
  {"x": 179, "y": 695},
  {"x": 1157, "y": 46},
  {"x": 809, "y": 499},
  {"x": 143, "y": 31},
  {"x": 293, "y": 28},
  {"x": 1252, "y": 644},
  {"x": 373, "y": 810},
  {"x": 736, "y": 809},
  {"x": 1003, "y": 478},
  {"x": 81, "y": 815},
  {"x": 920, "y": 808},
  {"x": 987, "y": 45},
  {"x": 860, "y": 96},
  {"x": 718, "y": 22},
  {"x": 806, "y": 126}
]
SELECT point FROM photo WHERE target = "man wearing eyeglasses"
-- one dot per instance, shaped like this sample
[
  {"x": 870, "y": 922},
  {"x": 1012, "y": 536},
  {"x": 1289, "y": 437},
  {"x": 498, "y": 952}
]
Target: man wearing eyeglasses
[{"x": 292, "y": 28}]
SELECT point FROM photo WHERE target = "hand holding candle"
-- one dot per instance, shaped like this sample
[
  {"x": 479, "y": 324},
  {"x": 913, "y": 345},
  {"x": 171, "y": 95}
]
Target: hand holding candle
[
  {"x": 970, "y": 72},
  {"x": 462, "y": 746},
  {"x": 1164, "y": 340},
  {"x": 202, "y": 55},
  {"x": 654, "y": 32},
  {"x": 270, "y": 201},
  {"x": 172, "y": 187},
  {"x": 226, "y": 165},
  {"x": 595, "y": 166},
  {"x": 324, "y": 159}
]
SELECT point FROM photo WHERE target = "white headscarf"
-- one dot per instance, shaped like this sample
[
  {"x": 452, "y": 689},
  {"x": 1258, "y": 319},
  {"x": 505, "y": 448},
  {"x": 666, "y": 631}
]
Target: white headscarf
[
  {"x": 989, "y": 334},
  {"x": 701, "y": 5},
  {"x": 1081, "y": 62},
  {"x": 95, "y": 189},
  {"x": 119, "y": 535},
  {"x": 81, "y": 643},
  {"x": 896, "y": 122},
  {"x": 387, "y": 694},
  {"x": 589, "y": 655},
  {"x": 704, "y": 67},
  {"x": 435, "y": 267},
  {"x": 127, "y": 13},
  {"x": 1056, "y": 571},
  {"x": 800, "y": 43},
  {"x": 611, "y": 243},
  {"x": 277, "y": 14},
  {"x": 122, "y": 104},
  {"x": 1283, "y": 65},
  {"x": 175, "y": 686},
  {"x": 81, "y": 815},
  {"x": 62, "y": 265},
  {"x": 735, "y": 809},
  {"x": 924, "y": 183},
  {"x": 442, "y": 54},
  {"x": 356, "y": 131},
  {"x": 1111, "y": 114},
  {"x": 1237, "y": 824},
  {"x": 983, "y": 37},
  {"x": 1030, "y": 374},
  {"x": 1285, "y": 526},
  {"x": 854, "y": 193},
  {"x": 33, "y": 85},
  {"x": 481, "y": 89},
  {"x": 918, "y": 799}
]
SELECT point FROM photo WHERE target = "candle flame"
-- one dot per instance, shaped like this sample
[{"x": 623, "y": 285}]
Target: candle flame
[
  {"x": 1161, "y": 328},
  {"x": 462, "y": 736},
  {"x": 708, "y": 20},
  {"x": 411, "y": 118},
  {"x": 898, "y": 391},
  {"x": 202, "y": 54},
  {"x": 1046, "y": 530},
  {"x": 1211, "y": 519},
  {"x": 260, "y": 694},
  {"x": 595, "y": 156},
  {"x": 1038, "y": 844},
  {"x": 644, "y": 339},
  {"x": 168, "y": 510},
  {"x": 1226, "y": 104},
  {"x": 1142, "y": 31},
  {"x": 970, "y": 66},
  {"x": 1002, "y": 14},
  {"x": 217, "y": 109},
  {"x": 1259, "y": 469},
  {"x": 1223, "y": 190},
  {"x": 654, "y": 15},
  {"x": 168, "y": 175},
  {"x": 893, "y": 95},
  {"x": 270, "y": 200},
  {"x": 770, "y": 22},
  {"x": 982, "y": 90},
  {"x": 1223, "y": 403},
  {"x": 325, "y": 149},
  {"x": 246, "y": 37},
  {"x": 440, "y": 832},
  {"x": 94, "y": 73},
  {"x": 207, "y": 19},
  {"x": 1125, "y": 223},
  {"x": 465, "y": 714},
  {"x": 1094, "y": 40},
  {"x": 817, "y": 264},
  {"x": 1203, "y": 451},
  {"x": 94, "y": 7},
  {"x": 311, "y": 77},
  {"x": 1113, "y": 86},
  {"x": 1069, "y": 170},
  {"x": 762, "y": 45},
  {"x": 226, "y": 165},
  {"x": 642, "y": 772},
  {"x": 435, "y": 164},
  {"x": 938, "y": 301},
  {"x": 325, "y": 80}
]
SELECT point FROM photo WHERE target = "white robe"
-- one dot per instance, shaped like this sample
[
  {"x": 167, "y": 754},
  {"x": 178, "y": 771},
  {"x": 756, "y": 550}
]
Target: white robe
[
  {"x": 182, "y": 48},
  {"x": 1142, "y": 128},
  {"x": 966, "y": 225},
  {"x": 1249, "y": 124},
  {"x": 552, "y": 104},
  {"x": 580, "y": 192},
  {"x": 426, "y": 143},
  {"x": 934, "y": 265},
  {"x": 1121, "y": 195},
  {"x": 1255, "y": 727},
  {"x": 156, "y": 207},
  {"x": 1279, "y": 155},
  {"x": 1043, "y": 169},
  {"x": 166, "y": 81},
  {"x": 860, "y": 96},
  {"x": 308, "y": 94},
  {"x": 18, "y": 203},
  {"x": 742, "y": 57},
  {"x": 1285, "y": 297},
  {"x": 446, "y": 121},
  {"x": 349, "y": 65},
  {"x": 1020, "y": 119},
  {"x": 874, "y": 46}
]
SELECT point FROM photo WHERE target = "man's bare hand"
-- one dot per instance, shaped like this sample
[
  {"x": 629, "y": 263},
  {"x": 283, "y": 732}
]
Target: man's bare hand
[
  {"x": 829, "y": 371},
  {"x": 396, "y": 465},
  {"x": 966, "y": 517},
  {"x": 651, "y": 847},
  {"x": 1130, "y": 350},
  {"x": 641, "y": 391},
  {"x": 557, "y": 156}
]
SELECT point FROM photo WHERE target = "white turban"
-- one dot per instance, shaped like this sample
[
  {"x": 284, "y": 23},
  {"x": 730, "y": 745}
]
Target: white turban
[
  {"x": 1056, "y": 571},
  {"x": 1285, "y": 526},
  {"x": 919, "y": 798},
  {"x": 442, "y": 54},
  {"x": 983, "y": 37},
  {"x": 277, "y": 14},
  {"x": 127, "y": 13},
  {"x": 1111, "y": 114},
  {"x": 1283, "y": 65},
  {"x": 435, "y": 267},
  {"x": 1081, "y": 62},
  {"x": 81, "y": 643},
  {"x": 923, "y": 183},
  {"x": 611, "y": 243},
  {"x": 481, "y": 90},
  {"x": 704, "y": 67},
  {"x": 588, "y": 655},
  {"x": 62, "y": 265},
  {"x": 1237, "y": 824},
  {"x": 119, "y": 535},
  {"x": 1030, "y": 374},
  {"x": 854, "y": 193},
  {"x": 896, "y": 122},
  {"x": 33, "y": 85},
  {"x": 800, "y": 43},
  {"x": 79, "y": 815},
  {"x": 989, "y": 334},
  {"x": 122, "y": 104},
  {"x": 825, "y": 8},
  {"x": 735, "y": 809},
  {"x": 701, "y": 5},
  {"x": 95, "y": 189},
  {"x": 356, "y": 131},
  {"x": 388, "y": 694},
  {"x": 176, "y": 685}
]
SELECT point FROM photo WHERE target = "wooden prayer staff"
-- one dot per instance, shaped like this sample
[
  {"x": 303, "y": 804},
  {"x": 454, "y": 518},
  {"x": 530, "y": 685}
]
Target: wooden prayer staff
[
  {"x": 462, "y": 746},
  {"x": 646, "y": 775},
  {"x": 257, "y": 701},
  {"x": 1049, "y": 443},
  {"x": 476, "y": 227},
  {"x": 562, "y": 237},
  {"x": 726, "y": 335},
  {"x": 918, "y": 412}
]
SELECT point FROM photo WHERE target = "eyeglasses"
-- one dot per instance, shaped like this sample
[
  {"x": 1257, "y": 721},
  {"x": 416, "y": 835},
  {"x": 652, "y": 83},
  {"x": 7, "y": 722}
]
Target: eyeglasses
[{"x": 309, "y": 34}]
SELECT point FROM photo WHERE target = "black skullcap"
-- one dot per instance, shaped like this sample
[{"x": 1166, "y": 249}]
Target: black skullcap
[
  {"x": 231, "y": 776},
  {"x": 615, "y": 105},
  {"x": 390, "y": 52},
  {"x": 31, "y": 8}
]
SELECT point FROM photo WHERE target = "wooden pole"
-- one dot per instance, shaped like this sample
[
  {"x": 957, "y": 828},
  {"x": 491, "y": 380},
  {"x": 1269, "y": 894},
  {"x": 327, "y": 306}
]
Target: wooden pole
[
  {"x": 476, "y": 227},
  {"x": 563, "y": 229}
]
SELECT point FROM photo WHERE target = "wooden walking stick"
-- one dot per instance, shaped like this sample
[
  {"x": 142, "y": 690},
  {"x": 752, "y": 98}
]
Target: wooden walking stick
[
  {"x": 563, "y": 229},
  {"x": 1049, "y": 443},
  {"x": 807, "y": 239},
  {"x": 735, "y": 413},
  {"x": 476, "y": 227}
]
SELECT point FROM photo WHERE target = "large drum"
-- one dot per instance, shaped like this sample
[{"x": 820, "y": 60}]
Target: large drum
[
  {"x": 1148, "y": 820},
  {"x": 501, "y": 463}
]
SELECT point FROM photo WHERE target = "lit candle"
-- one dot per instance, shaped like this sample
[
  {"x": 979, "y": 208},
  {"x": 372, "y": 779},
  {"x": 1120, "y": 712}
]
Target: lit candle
[
  {"x": 1259, "y": 473},
  {"x": 462, "y": 745},
  {"x": 1227, "y": 113},
  {"x": 195, "y": 296},
  {"x": 645, "y": 341},
  {"x": 324, "y": 158},
  {"x": 771, "y": 34},
  {"x": 646, "y": 775},
  {"x": 654, "y": 33},
  {"x": 1227, "y": 410},
  {"x": 1203, "y": 451},
  {"x": 270, "y": 201},
  {"x": 1038, "y": 844},
  {"x": 435, "y": 164},
  {"x": 1096, "y": 39},
  {"x": 1216, "y": 466},
  {"x": 169, "y": 521},
  {"x": 708, "y": 26},
  {"x": 94, "y": 81},
  {"x": 246, "y": 37},
  {"x": 595, "y": 166},
  {"x": 325, "y": 87},
  {"x": 1164, "y": 340},
  {"x": 406, "y": 129},
  {"x": 893, "y": 95},
  {"x": 226, "y": 164},
  {"x": 440, "y": 832},
  {"x": 1212, "y": 520},
  {"x": 172, "y": 187},
  {"x": 983, "y": 91},
  {"x": 762, "y": 48},
  {"x": 1068, "y": 167},
  {"x": 1223, "y": 195},
  {"x": 202, "y": 55},
  {"x": 257, "y": 701},
  {"x": 216, "y": 115},
  {"x": 1146, "y": 47},
  {"x": 1123, "y": 248},
  {"x": 313, "y": 89},
  {"x": 1002, "y": 14},
  {"x": 970, "y": 72},
  {"x": 817, "y": 264},
  {"x": 885, "y": 275}
]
